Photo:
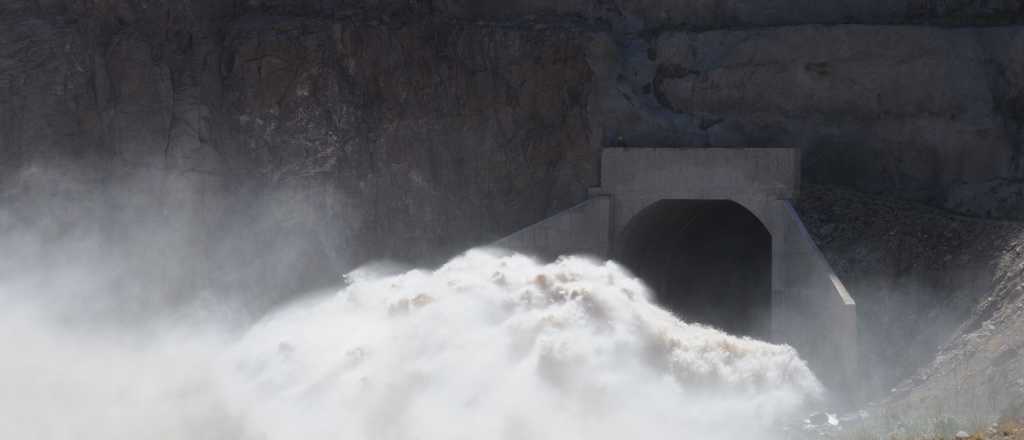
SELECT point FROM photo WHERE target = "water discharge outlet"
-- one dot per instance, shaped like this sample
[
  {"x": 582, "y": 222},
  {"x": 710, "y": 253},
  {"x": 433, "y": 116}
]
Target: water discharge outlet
[{"x": 713, "y": 233}]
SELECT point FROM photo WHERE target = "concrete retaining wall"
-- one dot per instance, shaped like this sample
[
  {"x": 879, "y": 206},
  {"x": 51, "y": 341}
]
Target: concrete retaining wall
[
  {"x": 811, "y": 308},
  {"x": 582, "y": 229}
]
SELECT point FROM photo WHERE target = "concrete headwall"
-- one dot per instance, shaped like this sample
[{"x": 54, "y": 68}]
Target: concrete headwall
[
  {"x": 704, "y": 173},
  {"x": 638, "y": 177}
]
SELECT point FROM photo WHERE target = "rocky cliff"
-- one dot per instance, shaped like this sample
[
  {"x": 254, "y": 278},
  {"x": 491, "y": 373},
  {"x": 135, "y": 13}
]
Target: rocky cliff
[{"x": 447, "y": 123}]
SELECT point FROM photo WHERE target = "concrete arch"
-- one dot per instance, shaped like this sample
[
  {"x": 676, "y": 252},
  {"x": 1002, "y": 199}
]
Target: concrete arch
[
  {"x": 631, "y": 207},
  {"x": 708, "y": 261}
]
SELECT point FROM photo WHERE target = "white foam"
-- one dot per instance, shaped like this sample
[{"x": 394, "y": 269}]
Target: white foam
[
  {"x": 486, "y": 347},
  {"x": 493, "y": 346}
]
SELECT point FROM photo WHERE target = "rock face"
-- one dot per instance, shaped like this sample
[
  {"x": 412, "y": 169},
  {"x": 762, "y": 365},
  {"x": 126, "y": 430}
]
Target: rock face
[
  {"x": 452, "y": 122},
  {"x": 924, "y": 112},
  {"x": 439, "y": 135},
  {"x": 436, "y": 131}
]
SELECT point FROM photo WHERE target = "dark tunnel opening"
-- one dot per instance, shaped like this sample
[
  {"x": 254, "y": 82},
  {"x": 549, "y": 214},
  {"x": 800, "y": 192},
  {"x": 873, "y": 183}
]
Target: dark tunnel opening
[{"x": 708, "y": 261}]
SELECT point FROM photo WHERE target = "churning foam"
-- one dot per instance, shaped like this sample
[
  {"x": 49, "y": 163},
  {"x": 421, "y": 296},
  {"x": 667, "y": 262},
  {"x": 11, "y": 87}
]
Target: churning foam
[{"x": 489, "y": 346}]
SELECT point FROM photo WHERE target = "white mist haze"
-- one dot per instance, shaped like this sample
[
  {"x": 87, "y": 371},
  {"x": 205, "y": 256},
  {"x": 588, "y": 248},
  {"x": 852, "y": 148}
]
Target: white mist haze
[{"x": 491, "y": 345}]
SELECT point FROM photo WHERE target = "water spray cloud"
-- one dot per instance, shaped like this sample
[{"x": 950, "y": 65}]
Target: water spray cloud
[
  {"x": 493, "y": 346},
  {"x": 490, "y": 345}
]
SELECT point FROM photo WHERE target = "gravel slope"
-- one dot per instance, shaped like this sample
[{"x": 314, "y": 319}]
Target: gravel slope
[{"x": 939, "y": 296}]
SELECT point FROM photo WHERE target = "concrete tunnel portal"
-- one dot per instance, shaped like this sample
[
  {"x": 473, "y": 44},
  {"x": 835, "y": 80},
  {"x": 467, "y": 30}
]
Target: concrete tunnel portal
[
  {"x": 714, "y": 234},
  {"x": 708, "y": 261}
]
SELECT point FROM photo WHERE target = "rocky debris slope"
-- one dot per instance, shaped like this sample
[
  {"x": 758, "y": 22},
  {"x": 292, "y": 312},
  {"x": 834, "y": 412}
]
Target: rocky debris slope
[
  {"x": 927, "y": 283},
  {"x": 979, "y": 372}
]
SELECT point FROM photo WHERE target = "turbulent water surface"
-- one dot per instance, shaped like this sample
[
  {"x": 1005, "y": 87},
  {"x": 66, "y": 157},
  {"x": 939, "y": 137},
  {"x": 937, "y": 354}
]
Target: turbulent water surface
[{"x": 489, "y": 346}]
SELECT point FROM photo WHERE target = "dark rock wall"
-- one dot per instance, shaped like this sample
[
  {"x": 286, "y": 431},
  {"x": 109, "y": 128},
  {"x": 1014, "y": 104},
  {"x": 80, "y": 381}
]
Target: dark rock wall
[
  {"x": 923, "y": 112},
  {"x": 444, "y": 134},
  {"x": 411, "y": 129},
  {"x": 431, "y": 135}
]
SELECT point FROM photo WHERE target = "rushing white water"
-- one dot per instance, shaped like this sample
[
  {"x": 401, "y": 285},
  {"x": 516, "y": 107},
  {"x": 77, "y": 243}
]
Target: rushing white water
[{"x": 489, "y": 346}]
